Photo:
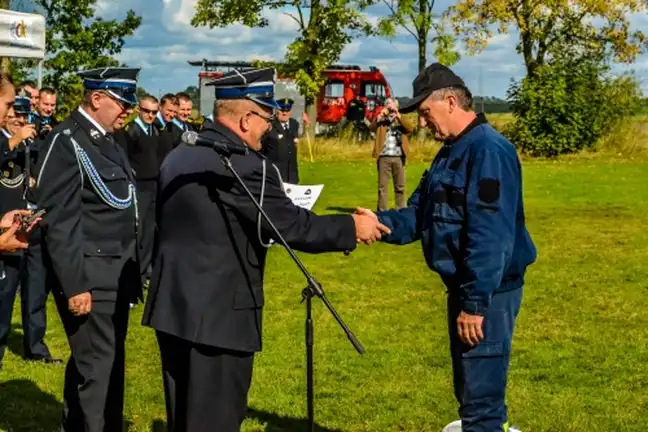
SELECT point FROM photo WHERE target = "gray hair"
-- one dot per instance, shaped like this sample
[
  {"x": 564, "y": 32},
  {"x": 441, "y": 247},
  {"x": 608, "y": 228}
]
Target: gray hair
[
  {"x": 394, "y": 100},
  {"x": 463, "y": 96}
]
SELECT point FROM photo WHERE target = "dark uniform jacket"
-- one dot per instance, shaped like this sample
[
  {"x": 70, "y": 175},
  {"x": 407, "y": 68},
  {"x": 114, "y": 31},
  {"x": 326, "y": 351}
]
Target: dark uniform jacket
[
  {"x": 12, "y": 176},
  {"x": 141, "y": 144},
  {"x": 468, "y": 212},
  {"x": 279, "y": 146},
  {"x": 88, "y": 241},
  {"x": 12, "y": 179},
  {"x": 207, "y": 283},
  {"x": 171, "y": 136},
  {"x": 19, "y": 167}
]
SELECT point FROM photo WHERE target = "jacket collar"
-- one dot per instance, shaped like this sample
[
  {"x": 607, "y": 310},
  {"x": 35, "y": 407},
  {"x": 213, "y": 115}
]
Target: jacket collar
[
  {"x": 479, "y": 120},
  {"x": 97, "y": 135}
]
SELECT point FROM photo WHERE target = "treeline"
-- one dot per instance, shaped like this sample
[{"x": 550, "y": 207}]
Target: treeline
[{"x": 567, "y": 100}]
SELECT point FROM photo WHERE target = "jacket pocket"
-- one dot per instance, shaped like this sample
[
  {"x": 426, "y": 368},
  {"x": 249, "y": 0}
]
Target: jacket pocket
[
  {"x": 103, "y": 249},
  {"x": 112, "y": 173},
  {"x": 449, "y": 202},
  {"x": 247, "y": 297}
]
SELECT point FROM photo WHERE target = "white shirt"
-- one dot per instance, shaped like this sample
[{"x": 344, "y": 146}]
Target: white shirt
[{"x": 93, "y": 121}]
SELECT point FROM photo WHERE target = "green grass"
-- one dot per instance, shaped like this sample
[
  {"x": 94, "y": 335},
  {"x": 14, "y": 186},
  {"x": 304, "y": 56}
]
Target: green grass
[{"x": 580, "y": 348}]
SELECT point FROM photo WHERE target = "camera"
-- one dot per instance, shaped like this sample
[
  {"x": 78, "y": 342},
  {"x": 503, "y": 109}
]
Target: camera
[{"x": 44, "y": 131}]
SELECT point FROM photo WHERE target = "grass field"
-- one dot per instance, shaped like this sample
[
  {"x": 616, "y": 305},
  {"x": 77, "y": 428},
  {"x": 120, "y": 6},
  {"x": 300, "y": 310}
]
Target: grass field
[{"x": 580, "y": 349}]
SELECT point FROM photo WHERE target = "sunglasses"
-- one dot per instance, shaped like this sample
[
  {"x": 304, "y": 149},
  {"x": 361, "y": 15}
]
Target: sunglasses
[{"x": 148, "y": 111}]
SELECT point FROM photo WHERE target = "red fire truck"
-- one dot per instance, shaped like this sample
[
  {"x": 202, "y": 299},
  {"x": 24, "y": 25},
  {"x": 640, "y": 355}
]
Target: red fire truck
[{"x": 344, "y": 83}]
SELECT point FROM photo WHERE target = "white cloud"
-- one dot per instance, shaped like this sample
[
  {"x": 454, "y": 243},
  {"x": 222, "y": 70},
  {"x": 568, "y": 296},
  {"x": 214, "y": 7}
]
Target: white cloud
[{"x": 166, "y": 41}]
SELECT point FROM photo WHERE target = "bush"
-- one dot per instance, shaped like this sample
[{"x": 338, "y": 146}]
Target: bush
[{"x": 567, "y": 105}]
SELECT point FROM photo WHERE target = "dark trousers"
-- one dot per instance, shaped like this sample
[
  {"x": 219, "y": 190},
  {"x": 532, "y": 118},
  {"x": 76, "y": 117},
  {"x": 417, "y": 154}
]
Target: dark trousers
[
  {"x": 33, "y": 295},
  {"x": 391, "y": 167},
  {"x": 146, "y": 198},
  {"x": 480, "y": 373},
  {"x": 94, "y": 377},
  {"x": 205, "y": 387},
  {"x": 10, "y": 270}
]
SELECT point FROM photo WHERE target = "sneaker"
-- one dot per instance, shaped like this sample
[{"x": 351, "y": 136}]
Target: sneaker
[{"x": 455, "y": 426}]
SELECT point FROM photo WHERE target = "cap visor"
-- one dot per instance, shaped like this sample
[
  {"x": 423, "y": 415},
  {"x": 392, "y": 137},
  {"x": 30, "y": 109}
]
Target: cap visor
[
  {"x": 128, "y": 98},
  {"x": 410, "y": 105},
  {"x": 270, "y": 103}
]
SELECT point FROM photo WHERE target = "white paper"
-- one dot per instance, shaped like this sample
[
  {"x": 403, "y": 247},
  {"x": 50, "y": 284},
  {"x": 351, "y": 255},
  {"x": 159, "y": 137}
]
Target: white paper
[{"x": 303, "y": 195}]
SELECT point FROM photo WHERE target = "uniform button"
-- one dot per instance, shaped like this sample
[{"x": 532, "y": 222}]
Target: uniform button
[
  {"x": 112, "y": 175},
  {"x": 98, "y": 250}
]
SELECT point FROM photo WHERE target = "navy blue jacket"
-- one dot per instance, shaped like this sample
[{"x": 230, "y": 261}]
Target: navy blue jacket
[{"x": 468, "y": 213}]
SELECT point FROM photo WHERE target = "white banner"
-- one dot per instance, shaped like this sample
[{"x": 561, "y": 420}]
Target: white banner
[
  {"x": 22, "y": 34},
  {"x": 303, "y": 195}
]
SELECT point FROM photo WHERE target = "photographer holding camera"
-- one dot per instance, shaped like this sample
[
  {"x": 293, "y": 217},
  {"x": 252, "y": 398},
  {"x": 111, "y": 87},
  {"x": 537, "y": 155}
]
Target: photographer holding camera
[
  {"x": 390, "y": 150},
  {"x": 43, "y": 117}
]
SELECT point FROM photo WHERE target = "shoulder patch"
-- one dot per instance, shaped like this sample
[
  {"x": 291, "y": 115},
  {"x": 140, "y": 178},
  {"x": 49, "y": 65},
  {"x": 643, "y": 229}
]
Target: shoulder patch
[{"x": 488, "y": 190}]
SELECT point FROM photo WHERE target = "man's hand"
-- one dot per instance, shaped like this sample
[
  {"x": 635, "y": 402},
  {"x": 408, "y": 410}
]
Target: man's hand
[
  {"x": 470, "y": 328},
  {"x": 80, "y": 304},
  {"x": 368, "y": 228}
]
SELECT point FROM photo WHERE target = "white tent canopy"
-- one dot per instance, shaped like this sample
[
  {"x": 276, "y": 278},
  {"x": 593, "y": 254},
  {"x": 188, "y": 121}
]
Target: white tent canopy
[{"x": 22, "y": 35}]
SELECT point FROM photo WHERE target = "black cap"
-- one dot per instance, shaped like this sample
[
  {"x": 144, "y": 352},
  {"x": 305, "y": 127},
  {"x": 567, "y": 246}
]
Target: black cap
[
  {"x": 254, "y": 84},
  {"x": 120, "y": 82},
  {"x": 285, "y": 104},
  {"x": 432, "y": 78},
  {"x": 22, "y": 105}
]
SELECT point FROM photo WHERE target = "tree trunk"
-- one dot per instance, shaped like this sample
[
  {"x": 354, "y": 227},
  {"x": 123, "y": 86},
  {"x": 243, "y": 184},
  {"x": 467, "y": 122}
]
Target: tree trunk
[
  {"x": 311, "y": 112},
  {"x": 5, "y": 62},
  {"x": 422, "y": 52}
]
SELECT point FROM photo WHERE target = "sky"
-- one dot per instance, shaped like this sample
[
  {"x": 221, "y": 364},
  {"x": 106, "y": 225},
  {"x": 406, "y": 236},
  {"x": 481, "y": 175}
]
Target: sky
[{"x": 165, "y": 41}]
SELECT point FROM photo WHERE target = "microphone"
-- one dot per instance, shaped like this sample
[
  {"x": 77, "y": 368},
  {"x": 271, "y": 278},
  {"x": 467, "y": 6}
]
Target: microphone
[{"x": 194, "y": 139}]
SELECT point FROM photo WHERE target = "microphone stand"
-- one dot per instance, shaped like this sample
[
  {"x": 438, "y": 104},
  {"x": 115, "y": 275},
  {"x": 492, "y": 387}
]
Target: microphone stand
[{"x": 314, "y": 289}]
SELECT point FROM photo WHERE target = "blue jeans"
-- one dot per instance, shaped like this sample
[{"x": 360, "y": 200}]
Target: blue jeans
[{"x": 480, "y": 373}]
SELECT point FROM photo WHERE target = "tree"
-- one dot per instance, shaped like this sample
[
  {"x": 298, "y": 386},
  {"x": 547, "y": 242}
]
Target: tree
[
  {"x": 546, "y": 26},
  {"x": 140, "y": 92},
  {"x": 417, "y": 18},
  {"x": 569, "y": 103},
  {"x": 194, "y": 94},
  {"x": 322, "y": 35},
  {"x": 76, "y": 40}
]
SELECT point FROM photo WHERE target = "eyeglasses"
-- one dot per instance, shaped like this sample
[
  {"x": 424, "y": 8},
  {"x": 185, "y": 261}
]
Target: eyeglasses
[
  {"x": 122, "y": 104},
  {"x": 269, "y": 118},
  {"x": 148, "y": 111}
]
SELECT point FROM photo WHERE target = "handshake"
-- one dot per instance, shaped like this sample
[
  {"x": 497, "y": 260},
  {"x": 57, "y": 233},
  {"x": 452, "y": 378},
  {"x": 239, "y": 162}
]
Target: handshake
[{"x": 368, "y": 228}]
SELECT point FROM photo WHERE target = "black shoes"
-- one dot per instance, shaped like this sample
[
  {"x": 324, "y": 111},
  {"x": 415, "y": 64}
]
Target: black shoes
[{"x": 48, "y": 359}]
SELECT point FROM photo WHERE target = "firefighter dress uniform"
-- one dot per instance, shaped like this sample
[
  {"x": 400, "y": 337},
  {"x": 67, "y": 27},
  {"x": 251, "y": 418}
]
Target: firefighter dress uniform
[
  {"x": 87, "y": 187},
  {"x": 206, "y": 296}
]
